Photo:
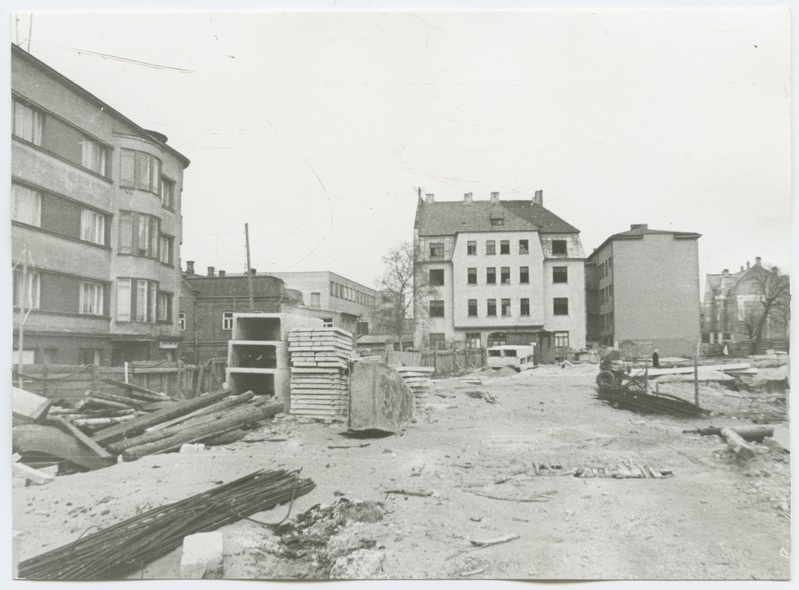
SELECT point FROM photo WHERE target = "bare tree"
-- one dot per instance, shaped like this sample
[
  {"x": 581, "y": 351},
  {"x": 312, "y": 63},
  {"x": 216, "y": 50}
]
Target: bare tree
[
  {"x": 773, "y": 289},
  {"x": 401, "y": 289}
]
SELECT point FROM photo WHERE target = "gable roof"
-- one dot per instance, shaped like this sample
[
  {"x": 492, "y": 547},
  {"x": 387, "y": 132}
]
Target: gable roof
[
  {"x": 452, "y": 217},
  {"x": 638, "y": 231}
]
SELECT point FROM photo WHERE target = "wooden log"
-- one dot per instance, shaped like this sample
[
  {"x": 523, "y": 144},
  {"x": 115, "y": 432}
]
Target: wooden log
[
  {"x": 102, "y": 422},
  {"x": 737, "y": 444},
  {"x": 228, "y": 402},
  {"x": 136, "y": 391},
  {"x": 245, "y": 415},
  {"x": 173, "y": 411},
  {"x": 154, "y": 435},
  {"x": 77, "y": 433},
  {"x": 95, "y": 402},
  {"x": 749, "y": 433},
  {"x": 134, "y": 403}
]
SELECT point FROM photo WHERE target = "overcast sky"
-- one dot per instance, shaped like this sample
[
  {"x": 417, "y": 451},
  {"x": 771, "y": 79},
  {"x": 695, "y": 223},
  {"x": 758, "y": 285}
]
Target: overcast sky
[{"x": 316, "y": 128}]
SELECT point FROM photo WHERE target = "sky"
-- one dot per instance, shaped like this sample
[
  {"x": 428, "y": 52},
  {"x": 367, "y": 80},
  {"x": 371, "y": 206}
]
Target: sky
[{"x": 317, "y": 128}]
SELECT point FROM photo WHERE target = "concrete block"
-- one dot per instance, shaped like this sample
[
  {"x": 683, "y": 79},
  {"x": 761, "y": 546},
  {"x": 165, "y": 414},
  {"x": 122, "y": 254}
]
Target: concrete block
[
  {"x": 192, "y": 448},
  {"x": 202, "y": 556}
]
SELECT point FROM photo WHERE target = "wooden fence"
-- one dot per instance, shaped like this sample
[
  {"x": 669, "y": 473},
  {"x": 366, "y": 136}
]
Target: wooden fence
[
  {"x": 172, "y": 378},
  {"x": 445, "y": 362}
]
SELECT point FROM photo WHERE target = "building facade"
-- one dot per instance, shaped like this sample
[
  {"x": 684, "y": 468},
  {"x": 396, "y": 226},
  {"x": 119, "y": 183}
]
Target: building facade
[
  {"x": 498, "y": 272},
  {"x": 336, "y": 300},
  {"x": 208, "y": 302},
  {"x": 643, "y": 286},
  {"x": 96, "y": 226},
  {"x": 734, "y": 305}
]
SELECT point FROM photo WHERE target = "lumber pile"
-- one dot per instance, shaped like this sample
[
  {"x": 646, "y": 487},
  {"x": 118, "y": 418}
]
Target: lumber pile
[
  {"x": 418, "y": 380},
  {"x": 126, "y": 546},
  {"x": 320, "y": 360}
]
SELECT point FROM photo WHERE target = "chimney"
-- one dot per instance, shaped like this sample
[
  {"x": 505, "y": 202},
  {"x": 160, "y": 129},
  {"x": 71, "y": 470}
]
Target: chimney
[
  {"x": 495, "y": 197},
  {"x": 221, "y": 273},
  {"x": 726, "y": 272},
  {"x": 641, "y": 226},
  {"x": 253, "y": 272},
  {"x": 467, "y": 197},
  {"x": 757, "y": 260},
  {"x": 429, "y": 198},
  {"x": 742, "y": 269},
  {"x": 538, "y": 199},
  {"x": 775, "y": 270},
  {"x": 189, "y": 267},
  {"x": 210, "y": 271},
  {"x": 747, "y": 265}
]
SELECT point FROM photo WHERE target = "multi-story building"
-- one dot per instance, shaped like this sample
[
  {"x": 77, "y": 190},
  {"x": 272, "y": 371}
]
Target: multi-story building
[
  {"x": 734, "y": 307},
  {"x": 644, "y": 288},
  {"x": 336, "y": 300},
  {"x": 208, "y": 302},
  {"x": 498, "y": 271},
  {"x": 96, "y": 225}
]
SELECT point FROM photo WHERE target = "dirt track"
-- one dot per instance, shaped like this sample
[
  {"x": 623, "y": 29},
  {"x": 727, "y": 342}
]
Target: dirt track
[{"x": 714, "y": 519}]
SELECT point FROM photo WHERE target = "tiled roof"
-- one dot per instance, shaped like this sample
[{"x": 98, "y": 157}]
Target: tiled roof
[{"x": 451, "y": 217}]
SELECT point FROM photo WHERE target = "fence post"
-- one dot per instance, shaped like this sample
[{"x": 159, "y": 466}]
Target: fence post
[
  {"x": 180, "y": 379},
  {"x": 95, "y": 378},
  {"x": 45, "y": 374}
]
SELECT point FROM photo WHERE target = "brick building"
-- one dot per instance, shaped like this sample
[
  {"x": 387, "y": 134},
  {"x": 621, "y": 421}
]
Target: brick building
[
  {"x": 95, "y": 225},
  {"x": 503, "y": 271},
  {"x": 643, "y": 290}
]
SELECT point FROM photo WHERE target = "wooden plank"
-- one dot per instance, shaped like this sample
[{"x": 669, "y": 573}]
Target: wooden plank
[
  {"x": 77, "y": 433},
  {"x": 32, "y": 475},
  {"x": 27, "y": 406}
]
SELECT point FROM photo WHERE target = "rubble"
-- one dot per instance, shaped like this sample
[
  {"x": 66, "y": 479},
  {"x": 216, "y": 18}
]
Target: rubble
[{"x": 202, "y": 556}]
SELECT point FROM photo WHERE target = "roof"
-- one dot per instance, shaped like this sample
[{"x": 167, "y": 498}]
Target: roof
[
  {"x": 638, "y": 231},
  {"x": 153, "y": 136},
  {"x": 236, "y": 286},
  {"x": 452, "y": 217}
]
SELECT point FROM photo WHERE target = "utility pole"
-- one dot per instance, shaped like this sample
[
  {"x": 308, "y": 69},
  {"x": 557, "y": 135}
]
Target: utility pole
[{"x": 249, "y": 271}]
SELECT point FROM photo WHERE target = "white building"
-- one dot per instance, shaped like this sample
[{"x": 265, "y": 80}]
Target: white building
[{"x": 504, "y": 272}]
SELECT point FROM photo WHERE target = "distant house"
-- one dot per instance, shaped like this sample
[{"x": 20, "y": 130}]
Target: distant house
[
  {"x": 733, "y": 307},
  {"x": 642, "y": 288},
  {"x": 501, "y": 272}
]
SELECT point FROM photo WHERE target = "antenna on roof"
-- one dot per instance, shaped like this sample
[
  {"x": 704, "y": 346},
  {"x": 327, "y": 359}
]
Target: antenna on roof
[
  {"x": 30, "y": 32},
  {"x": 418, "y": 190}
]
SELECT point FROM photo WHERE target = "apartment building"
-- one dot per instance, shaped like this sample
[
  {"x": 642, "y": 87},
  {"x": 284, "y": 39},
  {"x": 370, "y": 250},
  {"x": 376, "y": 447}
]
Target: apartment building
[
  {"x": 734, "y": 305},
  {"x": 96, "y": 226},
  {"x": 499, "y": 272},
  {"x": 643, "y": 285},
  {"x": 208, "y": 302}
]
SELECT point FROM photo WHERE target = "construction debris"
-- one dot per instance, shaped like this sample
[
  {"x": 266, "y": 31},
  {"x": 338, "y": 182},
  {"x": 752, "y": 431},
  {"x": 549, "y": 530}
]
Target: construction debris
[
  {"x": 480, "y": 394},
  {"x": 750, "y": 433},
  {"x": 202, "y": 556},
  {"x": 418, "y": 380},
  {"x": 737, "y": 444},
  {"x": 34, "y": 476},
  {"x": 423, "y": 493},
  {"x": 639, "y": 401},
  {"x": 28, "y": 407},
  {"x": 115, "y": 551},
  {"x": 319, "y": 371},
  {"x": 497, "y": 541},
  {"x": 380, "y": 401}
]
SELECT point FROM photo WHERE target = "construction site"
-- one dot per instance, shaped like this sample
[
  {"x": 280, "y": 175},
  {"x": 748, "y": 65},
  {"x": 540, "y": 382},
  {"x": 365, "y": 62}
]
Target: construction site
[{"x": 313, "y": 463}]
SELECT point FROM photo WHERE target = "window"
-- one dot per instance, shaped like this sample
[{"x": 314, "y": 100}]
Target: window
[
  {"x": 560, "y": 274},
  {"x": 610, "y": 291},
  {"x": 165, "y": 250},
  {"x": 471, "y": 248},
  {"x": 316, "y": 299},
  {"x": 28, "y": 123},
  {"x": 436, "y": 249},
  {"x": 164, "y": 307},
  {"x": 227, "y": 320},
  {"x": 491, "y": 247},
  {"x": 491, "y": 275},
  {"x": 524, "y": 275},
  {"x": 491, "y": 308},
  {"x": 141, "y": 304},
  {"x": 504, "y": 275},
  {"x": 559, "y": 247},
  {"x": 89, "y": 356},
  {"x": 561, "y": 340},
  {"x": 123, "y": 300},
  {"x": 504, "y": 247},
  {"x": 139, "y": 234},
  {"x": 26, "y": 205},
  {"x": 327, "y": 322},
  {"x": 436, "y": 277},
  {"x": 437, "y": 308},
  {"x": 524, "y": 306},
  {"x": 473, "y": 340},
  {"x": 91, "y": 298},
  {"x": 472, "y": 308},
  {"x": 92, "y": 226},
  {"x": 505, "y": 309},
  {"x": 94, "y": 156},
  {"x": 560, "y": 306},
  {"x": 524, "y": 247},
  {"x": 140, "y": 170},
  {"x": 26, "y": 293},
  {"x": 497, "y": 221},
  {"x": 182, "y": 321},
  {"x": 471, "y": 276},
  {"x": 437, "y": 342},
  {"x": 167, "y": 193},
  {"x": 362, "y": 328}
]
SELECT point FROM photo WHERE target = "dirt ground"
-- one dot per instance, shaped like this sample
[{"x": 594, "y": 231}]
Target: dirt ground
[{"x": 713, "y": 519}]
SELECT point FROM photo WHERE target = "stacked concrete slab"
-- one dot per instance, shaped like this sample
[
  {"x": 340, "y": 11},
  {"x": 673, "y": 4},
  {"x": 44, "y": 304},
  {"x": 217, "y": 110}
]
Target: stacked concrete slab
[
  {"x": 320, "y": 360},
  {"x": 258, "y": 357},
  {"x": 418, "y": 380}
]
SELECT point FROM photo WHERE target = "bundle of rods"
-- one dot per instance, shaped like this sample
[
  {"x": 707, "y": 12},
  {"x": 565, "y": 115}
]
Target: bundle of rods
[
  {"x": 115, "y": 551},
  {"x": 642, "y": 402}
]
